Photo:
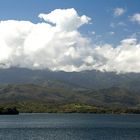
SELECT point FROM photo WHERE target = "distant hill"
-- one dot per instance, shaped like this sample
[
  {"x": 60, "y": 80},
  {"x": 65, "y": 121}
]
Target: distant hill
[
  {"x": 37, "y": 93},
  {"x": 88, "y": 87},
  {"x": 85, "y": 79}
]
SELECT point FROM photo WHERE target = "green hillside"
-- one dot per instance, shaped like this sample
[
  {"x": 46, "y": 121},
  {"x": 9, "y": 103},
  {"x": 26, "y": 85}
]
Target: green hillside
[{"x": 37, "y": 98}]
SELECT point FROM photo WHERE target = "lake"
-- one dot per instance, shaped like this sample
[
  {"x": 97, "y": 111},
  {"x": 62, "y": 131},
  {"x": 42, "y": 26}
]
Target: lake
[{"x": 69, "y": 127}]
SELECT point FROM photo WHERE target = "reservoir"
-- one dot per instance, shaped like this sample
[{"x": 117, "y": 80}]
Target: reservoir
[{"x": 68, "y": 126}]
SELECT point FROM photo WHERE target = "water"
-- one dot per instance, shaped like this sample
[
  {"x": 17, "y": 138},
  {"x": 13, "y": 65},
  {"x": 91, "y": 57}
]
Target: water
[{"x": 69, "y": 127}]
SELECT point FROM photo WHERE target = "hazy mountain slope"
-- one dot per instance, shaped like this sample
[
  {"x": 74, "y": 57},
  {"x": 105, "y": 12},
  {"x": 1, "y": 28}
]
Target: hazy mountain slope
[
  {"x": 30, "y": 92},
  {"x": 85, "y": 79},
  {"x": 91, "y": 87}
]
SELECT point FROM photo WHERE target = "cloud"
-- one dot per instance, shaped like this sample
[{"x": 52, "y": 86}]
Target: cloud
[
  {"x": 135, "y": 18},
  {"x": 118, "y": 24},
  {"x": 122, "y": 58},
  {"x": 66, "y": 19},
  {"x": 93, "y": 33},
  {"x": 121, "y": 24},
  {"x": 111, "y": 33},
  {"x": 56, "y": 44},
  {"x": 119, "y": 11}
]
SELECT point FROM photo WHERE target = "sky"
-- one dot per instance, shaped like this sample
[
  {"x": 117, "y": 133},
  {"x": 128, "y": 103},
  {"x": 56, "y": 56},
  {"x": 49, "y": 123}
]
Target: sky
[{"x": 72, "y": 35}]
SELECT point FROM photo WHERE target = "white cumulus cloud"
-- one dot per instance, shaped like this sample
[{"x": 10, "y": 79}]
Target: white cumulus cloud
[
  {"x": 56, "y": 44},
  {"x": 119, "y": 11},
  {"x": 136, "y": 18},
  {"x": 66, "y": 19}
]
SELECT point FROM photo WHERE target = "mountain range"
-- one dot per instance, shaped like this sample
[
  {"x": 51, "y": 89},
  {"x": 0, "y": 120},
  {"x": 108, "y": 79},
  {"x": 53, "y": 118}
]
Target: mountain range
[{"x": 88, "y": 87}]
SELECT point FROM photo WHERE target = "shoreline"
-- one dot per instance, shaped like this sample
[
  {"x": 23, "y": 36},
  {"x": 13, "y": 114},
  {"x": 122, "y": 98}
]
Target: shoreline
[{"x": 15, "y": 108}]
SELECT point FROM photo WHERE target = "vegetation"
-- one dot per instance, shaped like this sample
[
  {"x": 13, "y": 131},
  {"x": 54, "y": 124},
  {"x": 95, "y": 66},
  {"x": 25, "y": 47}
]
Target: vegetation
[
  {"x": 57, "y": 98},
  {"x": 115, "y": 97},
  {"x": 8, "y": 111},
  {"x": 36, "y": 107},
  {"x": 85, "y": 79}
]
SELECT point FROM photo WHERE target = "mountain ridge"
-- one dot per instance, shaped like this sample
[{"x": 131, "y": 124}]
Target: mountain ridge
[
  {"x": 85, "y": 79},
  {"x": 88, "y": 87}
]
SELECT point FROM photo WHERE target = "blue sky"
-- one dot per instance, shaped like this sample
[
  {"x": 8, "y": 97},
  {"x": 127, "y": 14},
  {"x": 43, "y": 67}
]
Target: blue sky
[
  {"x": 101, "y": 12},
  {"x": 70, "y": 35}
]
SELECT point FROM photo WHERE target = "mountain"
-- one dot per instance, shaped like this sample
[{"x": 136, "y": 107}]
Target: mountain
[
  {"x": 85, "y": 79},
  {"x": 86, "y": 87},
  {"x": 37, "y": 93}
]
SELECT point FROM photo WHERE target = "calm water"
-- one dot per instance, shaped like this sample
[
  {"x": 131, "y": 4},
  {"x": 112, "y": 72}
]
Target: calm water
[{"x": 69, "y": 127}]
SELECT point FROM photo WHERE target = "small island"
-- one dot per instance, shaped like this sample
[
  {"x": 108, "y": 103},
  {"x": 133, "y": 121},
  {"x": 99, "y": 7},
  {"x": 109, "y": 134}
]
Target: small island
[{"x": 9, "y": 111}]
